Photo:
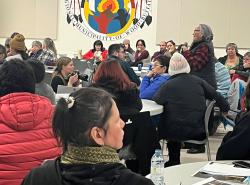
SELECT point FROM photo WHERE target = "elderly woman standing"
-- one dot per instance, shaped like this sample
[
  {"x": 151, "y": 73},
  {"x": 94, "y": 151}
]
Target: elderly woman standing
[{"x": 200, "y": 55}]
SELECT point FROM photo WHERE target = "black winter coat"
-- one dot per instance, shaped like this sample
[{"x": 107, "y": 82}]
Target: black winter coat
[
  {"x": 235, "y": 144},
  {"x": 184, "y": 100},
  {"x": 55, "y": 173}
]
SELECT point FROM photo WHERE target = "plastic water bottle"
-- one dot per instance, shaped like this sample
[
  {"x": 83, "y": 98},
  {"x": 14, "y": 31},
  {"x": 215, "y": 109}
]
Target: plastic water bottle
[{"x": 157, "y": 166}]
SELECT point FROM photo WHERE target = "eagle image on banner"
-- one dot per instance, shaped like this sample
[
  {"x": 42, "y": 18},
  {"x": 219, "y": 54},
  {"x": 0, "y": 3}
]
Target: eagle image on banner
[{"x": 108, "y": 19}]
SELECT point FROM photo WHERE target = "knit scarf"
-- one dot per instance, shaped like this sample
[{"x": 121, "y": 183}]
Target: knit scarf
[{"x": 91, "y": 155}]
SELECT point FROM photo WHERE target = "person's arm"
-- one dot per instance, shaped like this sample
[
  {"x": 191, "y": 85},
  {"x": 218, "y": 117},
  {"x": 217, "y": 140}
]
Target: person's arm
[
  {"x": 104, "y": 55},
  {"x": 234, "y": 145},
  {"x": 130, "y": 72},
  {"x": 198, "y": 59},
  {"x": 147, "y": 89},
  {"x": 142, "y": 56},
  {"x": 211, "y": 93},
  {"x": 159, "y": 96},
  {"x": 245, "y": 74},
  {"x": 89, "y": 55}
]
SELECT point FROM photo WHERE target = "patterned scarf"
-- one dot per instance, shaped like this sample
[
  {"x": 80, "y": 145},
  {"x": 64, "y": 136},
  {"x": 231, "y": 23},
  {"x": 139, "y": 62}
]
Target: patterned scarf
[{"x": 91, "y": 155}]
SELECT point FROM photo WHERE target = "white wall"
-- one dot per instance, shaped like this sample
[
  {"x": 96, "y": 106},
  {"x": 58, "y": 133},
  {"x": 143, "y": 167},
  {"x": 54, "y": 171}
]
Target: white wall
[{"x": 69, "y": 39}]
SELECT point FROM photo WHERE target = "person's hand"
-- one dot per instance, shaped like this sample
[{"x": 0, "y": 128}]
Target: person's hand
[
  {"x": 73, "y": 79},
  {"x": 150, "y": 74},
  {"x": 100, "y": 58},
  {"x": 184, "y": 48},
  {"x": 246, "y": 65},
  {"x": 231, "y": 71}
]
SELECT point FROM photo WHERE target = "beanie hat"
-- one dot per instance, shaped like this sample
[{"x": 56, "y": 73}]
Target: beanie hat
[
  {"x": 178, "y": 64},
  {"x": 18, "y": 42}
]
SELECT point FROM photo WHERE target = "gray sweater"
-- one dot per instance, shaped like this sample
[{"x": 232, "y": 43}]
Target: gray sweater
[{"x": 44, "y": 89}]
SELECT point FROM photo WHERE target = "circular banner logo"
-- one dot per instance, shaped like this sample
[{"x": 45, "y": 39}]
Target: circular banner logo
[{"x": 108, "y": 19}]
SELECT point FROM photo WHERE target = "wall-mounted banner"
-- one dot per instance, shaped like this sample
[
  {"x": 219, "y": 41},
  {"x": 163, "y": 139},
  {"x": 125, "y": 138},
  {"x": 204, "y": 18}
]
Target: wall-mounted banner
[{"x": 108, "y": 19}]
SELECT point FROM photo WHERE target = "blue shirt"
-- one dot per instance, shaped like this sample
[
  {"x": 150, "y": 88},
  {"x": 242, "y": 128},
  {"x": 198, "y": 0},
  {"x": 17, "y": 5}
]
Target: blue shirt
[{"x": 149, "y": 86}]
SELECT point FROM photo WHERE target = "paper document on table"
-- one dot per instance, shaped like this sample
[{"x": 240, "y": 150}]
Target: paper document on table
[
  {"x": 217, "y": 168},
  {"x": 211, "y": 181}
]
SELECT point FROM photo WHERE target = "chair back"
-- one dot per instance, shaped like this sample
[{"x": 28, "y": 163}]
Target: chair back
[
  {"x": 80, "y": 65},
  {"x": 206, "y": 121}
]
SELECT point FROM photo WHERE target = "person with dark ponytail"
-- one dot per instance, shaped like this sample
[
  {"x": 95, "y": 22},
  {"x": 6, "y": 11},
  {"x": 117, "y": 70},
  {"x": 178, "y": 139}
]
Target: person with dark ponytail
[{"x": 90, "y": 130}]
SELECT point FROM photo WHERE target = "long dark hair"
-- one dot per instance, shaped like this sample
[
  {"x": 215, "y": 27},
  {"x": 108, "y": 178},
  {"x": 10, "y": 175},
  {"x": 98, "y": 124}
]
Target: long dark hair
[
  {"x": 98, "y": 43},
  {"x": 91, "y": 107}
]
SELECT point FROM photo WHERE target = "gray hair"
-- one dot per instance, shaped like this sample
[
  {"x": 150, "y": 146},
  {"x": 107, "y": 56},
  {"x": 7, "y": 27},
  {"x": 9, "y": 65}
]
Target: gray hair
[
  {"x": 206, "y": 32},
  {"x": 36, "y": 43},
  {"x": 232, "y": 45}
]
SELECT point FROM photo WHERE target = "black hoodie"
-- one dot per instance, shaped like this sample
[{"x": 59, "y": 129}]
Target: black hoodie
[{"x": 55, "y": 173}]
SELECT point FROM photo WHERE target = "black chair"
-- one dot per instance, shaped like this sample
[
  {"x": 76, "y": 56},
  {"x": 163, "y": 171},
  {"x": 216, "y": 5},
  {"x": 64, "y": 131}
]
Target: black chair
[
  {"x": 141, "y": 133},
  {"x": 80, "y": 65}
]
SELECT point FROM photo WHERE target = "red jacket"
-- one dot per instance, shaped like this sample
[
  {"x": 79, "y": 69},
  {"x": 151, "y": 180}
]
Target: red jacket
[
  {"x": 26, "y": 138},
  {"x": 90, "y": 55}
]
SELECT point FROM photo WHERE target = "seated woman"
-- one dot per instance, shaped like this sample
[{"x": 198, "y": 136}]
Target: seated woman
[
  {"x": 17, "y": 48},
  {"x": 141, "y": 54},
  {"x": 233, "y": 60},
  {"x": 184, "y": 100},
  {"x": 64, "y": 74},
  {"x": 25, "y": 123},
  {"x": 110, "y": 77},
  {"x": 89, "y": 127},
  {"x": 171, "y": 47},
  {"x": 243, "y": 72},
  {"x": 155, "y": 78},
  {"x": 234, "y": 145},
  {"x": 98, "y": 53}
]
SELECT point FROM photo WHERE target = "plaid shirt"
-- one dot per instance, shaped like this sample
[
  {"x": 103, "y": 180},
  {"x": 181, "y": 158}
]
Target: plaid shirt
[
  {"x": 47, "y": 57},
  {"x": 199, "y": 58}
]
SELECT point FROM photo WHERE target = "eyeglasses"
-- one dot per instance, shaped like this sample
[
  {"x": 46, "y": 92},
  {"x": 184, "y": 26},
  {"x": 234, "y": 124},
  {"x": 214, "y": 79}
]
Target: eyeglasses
[{"x": 157, "y": 65}]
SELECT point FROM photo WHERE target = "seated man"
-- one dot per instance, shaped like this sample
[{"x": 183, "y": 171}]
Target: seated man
[
  {"x": 163, "y": 50},
  {"x": 35, "y": 50},
  {"x": 234, "y": 145},
  {"x": 116, "y": 51}
]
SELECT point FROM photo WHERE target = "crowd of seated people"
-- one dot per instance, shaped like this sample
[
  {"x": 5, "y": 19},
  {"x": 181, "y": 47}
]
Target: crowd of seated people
[{"x": 117, "y": 89}]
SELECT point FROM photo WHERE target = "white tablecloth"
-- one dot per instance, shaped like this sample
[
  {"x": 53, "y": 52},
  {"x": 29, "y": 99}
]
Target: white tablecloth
[{"x": 183, "y": 173}]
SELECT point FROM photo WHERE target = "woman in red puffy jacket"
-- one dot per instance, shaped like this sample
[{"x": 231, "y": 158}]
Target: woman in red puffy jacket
[
  {"x": 26, "y": 138},
  {"x": 98, "y": 53}
]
